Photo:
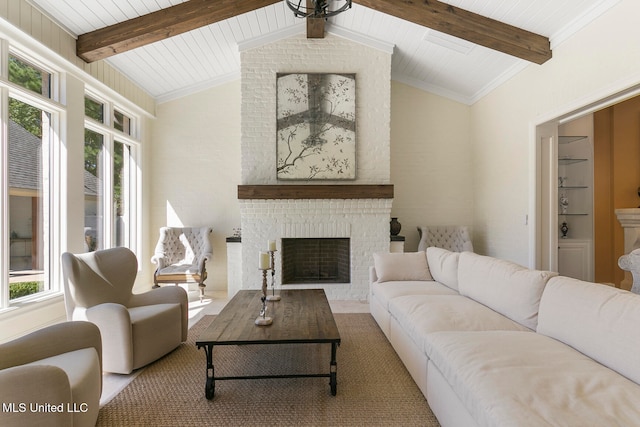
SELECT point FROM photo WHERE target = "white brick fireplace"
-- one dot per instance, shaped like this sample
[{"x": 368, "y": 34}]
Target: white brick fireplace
[{"x": 362, "y": 219}]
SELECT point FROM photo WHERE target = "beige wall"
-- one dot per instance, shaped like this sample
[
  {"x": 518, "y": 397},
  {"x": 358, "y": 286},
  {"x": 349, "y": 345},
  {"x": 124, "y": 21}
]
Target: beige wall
[
  {"x": 431, "y": 164},
  {"x": 194, "y": 170},
  {"x": 601, "y": 59}
]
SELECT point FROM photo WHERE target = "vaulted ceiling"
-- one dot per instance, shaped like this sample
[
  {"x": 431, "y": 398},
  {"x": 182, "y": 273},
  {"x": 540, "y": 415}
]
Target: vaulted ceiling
[{"x": 460, "y": 49}]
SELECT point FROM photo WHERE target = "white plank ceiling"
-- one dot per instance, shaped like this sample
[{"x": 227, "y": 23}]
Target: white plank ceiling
[{"x": 423, "y": 58}]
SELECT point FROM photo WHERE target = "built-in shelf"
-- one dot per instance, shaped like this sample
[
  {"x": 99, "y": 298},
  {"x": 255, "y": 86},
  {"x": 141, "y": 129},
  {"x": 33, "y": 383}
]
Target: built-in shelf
[
  {"x": 570, "y": 139},
  {"x": 573, "y": 187},
  {"x": 250, "y": 192},
  {"x": 570, "y": 161},
  {"x": 573, "y": 214}
]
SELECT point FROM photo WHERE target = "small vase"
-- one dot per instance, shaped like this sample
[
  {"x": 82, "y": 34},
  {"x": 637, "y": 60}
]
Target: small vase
[
  {"x": 564, "y": 229},
  {"x": 395, "y": 226}
]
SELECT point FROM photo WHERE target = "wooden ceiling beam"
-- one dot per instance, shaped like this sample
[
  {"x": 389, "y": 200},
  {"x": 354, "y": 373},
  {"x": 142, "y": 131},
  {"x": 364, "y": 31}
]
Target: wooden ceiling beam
[
  {"x": 193, "y": 14},
  {"x": 467, "y": 25},
  {"x": 159, "y": 25},
  {"x": 315, "y": 26}
]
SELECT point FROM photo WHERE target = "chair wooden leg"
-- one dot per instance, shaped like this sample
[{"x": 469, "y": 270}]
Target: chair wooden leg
[{"x": 201, "y": 286}]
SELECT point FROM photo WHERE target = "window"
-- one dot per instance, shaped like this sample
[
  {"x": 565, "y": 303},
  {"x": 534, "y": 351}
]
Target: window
[
  {"x": 121, "y": 122},
  {"x": 93, "y": 109},
  {"x": 29, "y": 76},
  {"x": 40, "y": 170},
  {"x": 29, "y": 160},
  {"x": 110, "y": 177},
  {"x": 93, "y": 190}
]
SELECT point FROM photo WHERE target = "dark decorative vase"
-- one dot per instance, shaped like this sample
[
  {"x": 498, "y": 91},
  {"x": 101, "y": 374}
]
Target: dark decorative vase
[
  {"x": 564, "y": 229},
  {"x": 395, "y": 226}
]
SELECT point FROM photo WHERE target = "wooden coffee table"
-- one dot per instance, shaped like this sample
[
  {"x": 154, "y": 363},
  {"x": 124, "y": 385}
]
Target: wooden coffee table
[{"x": 302, "y": 316}]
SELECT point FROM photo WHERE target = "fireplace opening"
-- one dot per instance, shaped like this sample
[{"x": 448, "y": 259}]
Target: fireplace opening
[{"x": 315, "y": 260}]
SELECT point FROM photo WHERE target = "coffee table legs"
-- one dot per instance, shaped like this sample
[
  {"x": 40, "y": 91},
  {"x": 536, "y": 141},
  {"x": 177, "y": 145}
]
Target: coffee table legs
[
  {"x": 210, "y": 386},
  {"x": 333, "y": 370}
]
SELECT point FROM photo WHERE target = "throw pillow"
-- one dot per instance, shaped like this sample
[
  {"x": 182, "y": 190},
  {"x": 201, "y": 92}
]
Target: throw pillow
[
  {"x": 398, "y": 266},
  {"x": 443, "y": 265}
]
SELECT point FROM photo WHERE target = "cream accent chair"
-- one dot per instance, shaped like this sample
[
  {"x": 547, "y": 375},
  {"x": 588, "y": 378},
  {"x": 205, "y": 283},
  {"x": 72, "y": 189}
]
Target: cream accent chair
[
  {"x": 181, "y": 255},
  {"x": 57, "y": 365},
  {"x": 455, "y": 238},
  {"x": 136, "y": 329}
]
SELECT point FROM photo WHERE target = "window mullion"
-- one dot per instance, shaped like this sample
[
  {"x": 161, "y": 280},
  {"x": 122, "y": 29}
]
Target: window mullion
[
  {"x": 107, "y": 211},
  {"x": 4, "y": 198}
]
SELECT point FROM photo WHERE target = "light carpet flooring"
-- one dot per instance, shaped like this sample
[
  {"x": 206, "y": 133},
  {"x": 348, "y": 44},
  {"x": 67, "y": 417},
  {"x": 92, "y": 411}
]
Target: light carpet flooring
[{"x": 213, "y": 302}]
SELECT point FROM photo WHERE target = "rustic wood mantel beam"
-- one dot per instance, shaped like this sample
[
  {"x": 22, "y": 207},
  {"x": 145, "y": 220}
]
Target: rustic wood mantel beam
[
  {"x": 467, "y": 25},
  {"x": 356, "y": 191},
  {"x": 160, "y": 25}
]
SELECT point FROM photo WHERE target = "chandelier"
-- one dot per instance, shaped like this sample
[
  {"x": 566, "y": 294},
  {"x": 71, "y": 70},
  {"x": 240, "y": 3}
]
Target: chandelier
[{"x": 318, "y": 8}]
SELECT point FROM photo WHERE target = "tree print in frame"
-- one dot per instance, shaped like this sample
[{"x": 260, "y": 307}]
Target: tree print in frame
[{"x": 316, "y": 126}]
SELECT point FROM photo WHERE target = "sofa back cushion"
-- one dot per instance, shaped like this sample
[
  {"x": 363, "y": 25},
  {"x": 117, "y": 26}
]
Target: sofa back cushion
[
  {"x": 443, "y": 265},
  {"x": 508, "y": 288},
  {"x": 597, "y": 320},
  {"x": 401, "y": 266}
]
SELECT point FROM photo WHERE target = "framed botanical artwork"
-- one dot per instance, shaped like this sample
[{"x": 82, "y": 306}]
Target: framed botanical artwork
[{"x": 316, "y": 126}]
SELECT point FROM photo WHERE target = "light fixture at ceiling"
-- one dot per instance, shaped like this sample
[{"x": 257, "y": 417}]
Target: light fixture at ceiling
[{"x": 318, "y": 8}]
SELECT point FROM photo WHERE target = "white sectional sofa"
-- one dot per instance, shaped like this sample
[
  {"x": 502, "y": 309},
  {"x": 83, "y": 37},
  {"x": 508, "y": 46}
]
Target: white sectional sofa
[{"x": 492, "y": 343}]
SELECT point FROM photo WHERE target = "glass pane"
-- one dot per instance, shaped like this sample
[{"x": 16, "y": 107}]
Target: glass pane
[
  {"x": 28, "y": 199},
  {"x": 94, "y": 109},
  {"x": 29, "y": 76},
  {"x": 121, "y": 122},
  {"x": 93, "y": 190},
  {"x": 121, "y": 193}
]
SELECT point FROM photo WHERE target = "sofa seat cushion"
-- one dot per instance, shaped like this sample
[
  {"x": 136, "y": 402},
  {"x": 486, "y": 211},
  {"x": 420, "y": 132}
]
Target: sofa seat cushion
[
  {"x": 386, "y": 291},
  {"x": 156, "y": 329},
  {"x": 179, "y": 272},
  {"x": 421, "y": 315},
  {"x": 508, "y": 378}
]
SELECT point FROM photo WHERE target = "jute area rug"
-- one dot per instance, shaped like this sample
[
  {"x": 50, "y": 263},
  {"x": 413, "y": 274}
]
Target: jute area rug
[{"x": 374, "y": 388}]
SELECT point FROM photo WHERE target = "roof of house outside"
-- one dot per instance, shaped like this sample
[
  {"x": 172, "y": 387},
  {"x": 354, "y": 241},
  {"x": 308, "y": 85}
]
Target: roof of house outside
[{"x": 25, "y": 152}]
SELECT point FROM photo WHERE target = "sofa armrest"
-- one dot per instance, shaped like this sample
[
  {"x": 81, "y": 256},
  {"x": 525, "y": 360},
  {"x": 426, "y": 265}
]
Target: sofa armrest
[
  {"x": 22, "y": 386},
  {"x": 50, "y": 341},
  {"x": 203, "y": 260},
  {"x": 159, "y": 260}
]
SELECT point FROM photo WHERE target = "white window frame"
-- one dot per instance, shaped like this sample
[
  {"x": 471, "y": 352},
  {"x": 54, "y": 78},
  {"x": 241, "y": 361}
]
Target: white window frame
[
  {"x": 56, "y": 110},
  {"x": 111, "y": 136}
]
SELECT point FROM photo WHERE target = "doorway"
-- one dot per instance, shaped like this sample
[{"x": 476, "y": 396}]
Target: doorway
[{"x": 592, "y": 176}]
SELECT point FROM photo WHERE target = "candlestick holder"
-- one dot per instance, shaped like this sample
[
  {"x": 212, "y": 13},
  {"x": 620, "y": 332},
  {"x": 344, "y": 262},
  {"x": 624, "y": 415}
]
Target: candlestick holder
[
  {"x": 273, "y": 296},
  {"x": 263, "y": 319}
]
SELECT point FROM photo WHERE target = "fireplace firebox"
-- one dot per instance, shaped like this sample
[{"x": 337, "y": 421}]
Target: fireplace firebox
[{"x": 315, "y": 260}]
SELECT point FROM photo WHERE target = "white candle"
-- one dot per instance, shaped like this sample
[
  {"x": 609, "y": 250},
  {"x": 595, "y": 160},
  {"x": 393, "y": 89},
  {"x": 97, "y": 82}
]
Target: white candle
[
  {"x": 272, "y": 245},
  {"x": 264, "y": 260}
]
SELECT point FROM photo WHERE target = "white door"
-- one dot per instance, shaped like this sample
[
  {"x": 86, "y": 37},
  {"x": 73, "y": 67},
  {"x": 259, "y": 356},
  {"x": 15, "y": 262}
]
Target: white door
[{"x": 546, "y": 233}]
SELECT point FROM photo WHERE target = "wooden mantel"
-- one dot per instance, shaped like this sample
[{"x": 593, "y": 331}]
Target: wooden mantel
[{"x": 248, "y": 192}]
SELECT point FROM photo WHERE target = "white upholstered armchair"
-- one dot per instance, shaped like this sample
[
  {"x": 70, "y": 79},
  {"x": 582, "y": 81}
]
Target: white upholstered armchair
[
  {"x": 181, "y": 255},
  {"x": 59, "y": 364},
  {"x": 455, "y": 238},
  {"x": 136, "y": 329}
]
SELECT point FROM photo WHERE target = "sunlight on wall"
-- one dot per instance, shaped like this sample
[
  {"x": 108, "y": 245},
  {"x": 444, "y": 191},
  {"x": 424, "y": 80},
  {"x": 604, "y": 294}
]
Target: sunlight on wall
[{"x": 173, "y": 220}]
